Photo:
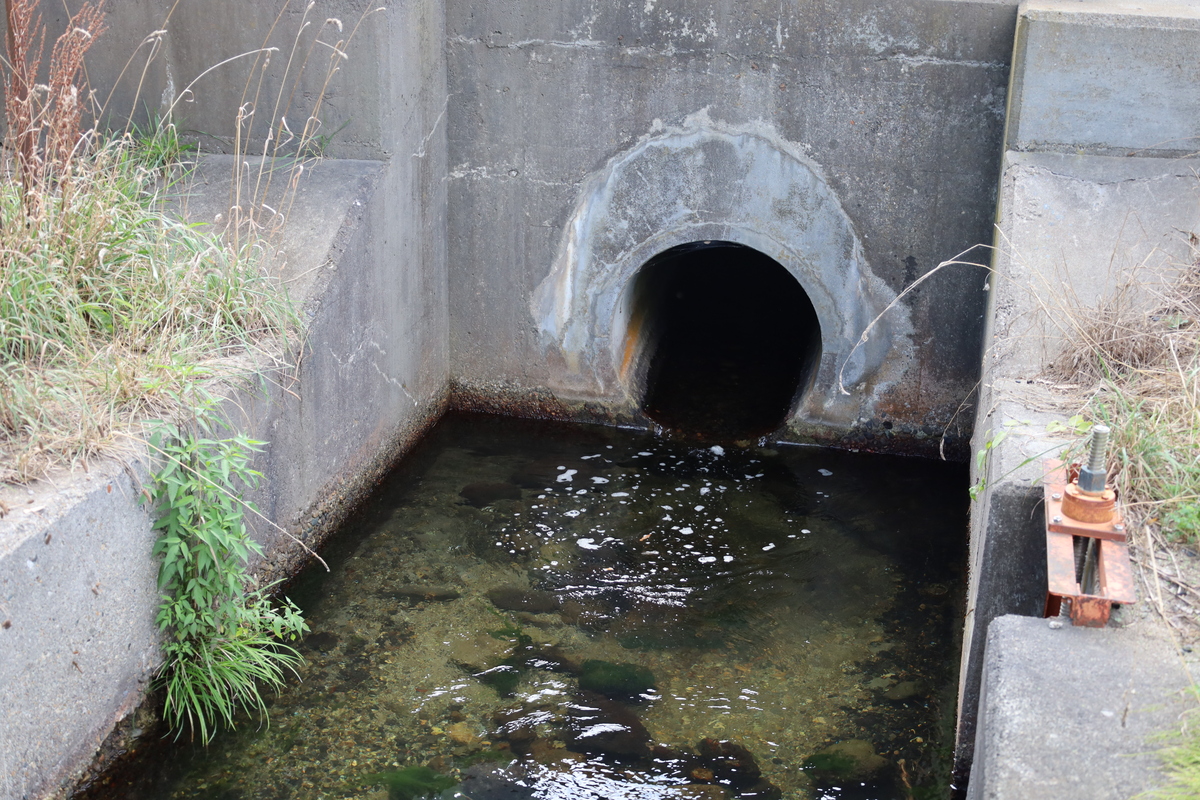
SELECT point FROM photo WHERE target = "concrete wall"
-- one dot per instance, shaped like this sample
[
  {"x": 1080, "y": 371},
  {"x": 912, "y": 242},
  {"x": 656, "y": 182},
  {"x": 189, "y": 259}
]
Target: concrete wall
[
  {"x": 502, "y": 139},
  {"x": 1094, "y": 201},
  {"x": 364, "y": 252},
  {"x": 895, "y": 108}
]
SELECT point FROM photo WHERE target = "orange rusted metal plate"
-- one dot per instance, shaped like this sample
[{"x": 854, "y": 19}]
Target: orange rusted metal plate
[
  {"x": 1060, "y": 565},
  {"x": 1114, "y": 571},
  {"x": 1055, "y": 488},
  {"x": 1090, "y": 611}
]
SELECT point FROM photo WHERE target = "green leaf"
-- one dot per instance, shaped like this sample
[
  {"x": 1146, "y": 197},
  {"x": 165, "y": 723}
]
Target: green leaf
[{"x": 223, "y": 644}]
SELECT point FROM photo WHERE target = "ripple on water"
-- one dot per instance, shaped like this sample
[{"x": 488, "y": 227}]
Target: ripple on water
[{"x": 763, "y": 606}]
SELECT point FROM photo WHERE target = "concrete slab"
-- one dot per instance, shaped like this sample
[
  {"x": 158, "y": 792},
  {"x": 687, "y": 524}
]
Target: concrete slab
[
  {"x": 1109, "y": 78},
  {"x": 1075, "y": 713},
  {"x": 1074, "y": 229}
]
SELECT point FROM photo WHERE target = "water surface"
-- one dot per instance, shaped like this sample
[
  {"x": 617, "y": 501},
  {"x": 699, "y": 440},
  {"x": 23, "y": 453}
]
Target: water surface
[{"x": 761, "y": 605}]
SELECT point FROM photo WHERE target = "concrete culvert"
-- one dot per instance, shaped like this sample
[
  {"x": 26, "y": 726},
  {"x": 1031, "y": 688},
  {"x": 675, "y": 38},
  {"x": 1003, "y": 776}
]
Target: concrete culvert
[{"x": 727, "y": 337}]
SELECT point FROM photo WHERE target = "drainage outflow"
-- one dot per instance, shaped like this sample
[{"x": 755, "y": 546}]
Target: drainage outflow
[{"x": 726, "y": 340}]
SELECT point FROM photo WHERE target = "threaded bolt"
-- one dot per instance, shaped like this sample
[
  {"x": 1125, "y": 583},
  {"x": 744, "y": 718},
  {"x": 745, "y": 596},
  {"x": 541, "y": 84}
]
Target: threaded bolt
[
  {"x": 1093, "y": 477},
  {"x": 1099, "y": 448}
]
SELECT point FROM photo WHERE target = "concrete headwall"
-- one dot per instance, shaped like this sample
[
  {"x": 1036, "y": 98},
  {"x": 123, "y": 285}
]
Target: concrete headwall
[
  {"x": 363, "y": 253},
  {"x": 896, "y": 109}
]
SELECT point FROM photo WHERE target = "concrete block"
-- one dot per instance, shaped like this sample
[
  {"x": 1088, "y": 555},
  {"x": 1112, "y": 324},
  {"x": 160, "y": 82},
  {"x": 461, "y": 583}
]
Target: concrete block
[
  {"x": 1073, "y": 230},
  {"x": 1007, "y": 554},
  {"x": 1075, "y": 713},
  {"x": 77, "y": 638},
  {"x": 1108, "y": 78}
]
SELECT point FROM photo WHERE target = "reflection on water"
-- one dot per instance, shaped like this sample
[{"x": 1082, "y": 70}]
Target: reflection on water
[{"x": 536, "y": 611}]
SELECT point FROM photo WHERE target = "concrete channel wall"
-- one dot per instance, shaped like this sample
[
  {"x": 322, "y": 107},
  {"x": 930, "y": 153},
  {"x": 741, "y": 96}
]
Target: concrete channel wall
[
  {"x": 363, "y": 252},
  {"x": 487, "y": 148},
  {"x": 1098, "y": 194},
  {"x": 591, "y": 136}
]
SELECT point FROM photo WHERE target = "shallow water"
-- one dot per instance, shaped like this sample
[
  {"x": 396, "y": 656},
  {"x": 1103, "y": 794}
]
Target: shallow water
[{"x": 782, "y": 599}]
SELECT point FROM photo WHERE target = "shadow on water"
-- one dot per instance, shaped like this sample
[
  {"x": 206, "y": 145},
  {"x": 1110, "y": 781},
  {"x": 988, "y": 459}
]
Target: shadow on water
[{"x": 536, "y": 611}]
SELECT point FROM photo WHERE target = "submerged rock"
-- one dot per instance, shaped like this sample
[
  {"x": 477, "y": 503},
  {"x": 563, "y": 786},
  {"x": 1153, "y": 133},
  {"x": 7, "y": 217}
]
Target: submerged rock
[
  {"x": 729, "y": 762},
  {"x": 479, "y": 652},
  {"x": 617, "y": 680},
  {"x": 322, "y": 642},
  {"x": 853, "y": 759},
  {"x": 550, "y": 658},
  {"x": 485, "y": 493},
  {"x": 410, "y": 783},
  {"x": 514, "y": 598},
  {"x": 904, "y": 690},
  {"x": 463, "y": 733},
  {"x": 504, "y": 679},
  {"x": 418, "y": 593},
  {"x": 596, "y": 724}
]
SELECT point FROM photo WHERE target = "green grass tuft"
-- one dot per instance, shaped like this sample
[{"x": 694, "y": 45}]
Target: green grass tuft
[{"x": 112, "y": 309}]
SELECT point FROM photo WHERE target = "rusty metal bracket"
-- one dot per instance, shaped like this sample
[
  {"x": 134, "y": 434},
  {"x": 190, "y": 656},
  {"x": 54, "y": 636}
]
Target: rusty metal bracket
[{"x": 1099, "y": 539}]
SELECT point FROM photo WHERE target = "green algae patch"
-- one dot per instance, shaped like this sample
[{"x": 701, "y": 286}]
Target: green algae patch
[
  {"x": 615, "y": 679},
  {"x": 410, "y": 783}
]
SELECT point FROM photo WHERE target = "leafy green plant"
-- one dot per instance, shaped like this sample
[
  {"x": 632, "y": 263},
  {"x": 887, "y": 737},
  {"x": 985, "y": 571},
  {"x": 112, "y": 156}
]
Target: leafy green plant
[
  {"x": 1076, "y": 426},
  {"x": 981, "y": 458},
  {"x": 224, "y": 640}
]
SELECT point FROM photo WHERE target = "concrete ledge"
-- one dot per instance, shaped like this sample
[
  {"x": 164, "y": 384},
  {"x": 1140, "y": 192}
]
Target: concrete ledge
[
  {"x": 1073, "y": 713},
  {"x": 78, "y": 587},
  {"x": 1102, "y": 77},
  {"x": 1075, "y": 224}
]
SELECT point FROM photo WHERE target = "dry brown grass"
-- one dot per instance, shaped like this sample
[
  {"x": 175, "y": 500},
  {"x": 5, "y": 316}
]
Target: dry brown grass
[
  {"x": 1137, "y": 365},
  {"x": 111, "y": 310}
]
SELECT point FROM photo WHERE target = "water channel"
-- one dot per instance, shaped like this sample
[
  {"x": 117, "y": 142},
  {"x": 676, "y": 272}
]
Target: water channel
[{"x": 527, "y": 610}]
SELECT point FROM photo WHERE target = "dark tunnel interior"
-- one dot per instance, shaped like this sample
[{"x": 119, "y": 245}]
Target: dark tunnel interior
[{"x": 733, "y": 340}]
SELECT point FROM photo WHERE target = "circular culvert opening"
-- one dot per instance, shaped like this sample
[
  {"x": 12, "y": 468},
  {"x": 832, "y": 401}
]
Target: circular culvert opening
[{"x": 728, "y": 340}]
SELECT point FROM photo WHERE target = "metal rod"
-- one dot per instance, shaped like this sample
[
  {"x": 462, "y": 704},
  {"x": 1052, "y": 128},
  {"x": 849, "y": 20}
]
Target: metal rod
[
  {"x": 1099, "y": 447},
  {"x": 1093, "y": 477}
]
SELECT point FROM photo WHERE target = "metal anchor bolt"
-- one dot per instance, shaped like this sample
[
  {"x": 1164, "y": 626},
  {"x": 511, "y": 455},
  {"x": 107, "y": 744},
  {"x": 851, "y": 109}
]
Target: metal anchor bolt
[{"x": 1093, "y": 476}]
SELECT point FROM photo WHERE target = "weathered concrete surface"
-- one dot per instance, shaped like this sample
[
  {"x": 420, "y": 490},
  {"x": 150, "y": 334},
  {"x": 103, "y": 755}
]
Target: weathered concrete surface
[
  {"x": 1007, "y": 561},
  {"x": 1073, "y": 231},
  {"x": 897, "y": 107},
  {"x": 364, "y": 246},
  {"x": 1075, "y": 713},
  {"x": 77, "y": 640},
  {"x": 1107, "y": 78},
  {"x": 77, "y": 581},
  {"x": 706, "y": 181},
  {"x": 259, "y": 63}
]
